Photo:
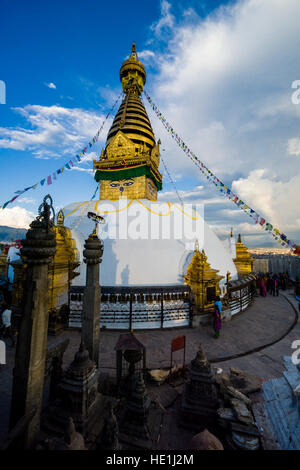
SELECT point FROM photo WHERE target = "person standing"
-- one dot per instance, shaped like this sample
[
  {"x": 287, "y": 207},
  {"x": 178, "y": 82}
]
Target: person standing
[
  {"x": 276, "y": 284},
  {"x": 6, "y": 321},
  {"x": 263, "y": 288},
  {"x": 272, "y": 286},
  {"x": 269, "y": 282},
  {"x": 217, "y": 316}
]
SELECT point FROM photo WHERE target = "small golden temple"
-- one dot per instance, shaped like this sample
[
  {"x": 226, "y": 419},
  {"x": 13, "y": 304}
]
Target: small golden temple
[
  {"x": 128, "y": 166},
  {"x": 203, "y": 280},
  {"x": 243, "y": 260}
]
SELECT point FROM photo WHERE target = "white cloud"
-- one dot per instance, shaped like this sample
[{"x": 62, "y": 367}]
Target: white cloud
[
  {"x": 51, "y": 85},
  {"x": 54, "y": 131},
  {"x": 224, "y": 83},
  {"x": 16, "y": 217},
  {"x": 86, "y": 170},
  {"x": 294, "y": 146},
  {"x": 27, "y": 200},
  {"x": 147, "y": 56},
  {"x": 278, "y": 200},
  {"x": 166, "y": 21}
]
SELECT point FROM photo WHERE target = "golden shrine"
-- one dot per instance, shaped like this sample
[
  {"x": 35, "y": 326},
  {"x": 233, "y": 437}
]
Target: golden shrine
[
  {"x": 128, "y": 166},
  {"x": 243, "y": 260},
  {"x": 203, "y": 281},
  {"x": 60, "y": 273}
]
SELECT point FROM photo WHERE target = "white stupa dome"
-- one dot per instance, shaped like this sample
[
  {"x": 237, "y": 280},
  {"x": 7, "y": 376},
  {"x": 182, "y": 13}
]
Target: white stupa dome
[{"x": 146, "y": 243}]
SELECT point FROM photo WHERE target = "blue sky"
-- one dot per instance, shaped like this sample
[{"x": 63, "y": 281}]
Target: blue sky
[{"x": 220, "y": 71}]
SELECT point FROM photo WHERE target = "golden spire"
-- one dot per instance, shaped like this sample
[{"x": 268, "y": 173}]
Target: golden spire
[
  {"x": 133, "y": 54},
  {"x": 132, "y": 116},
  {"x": 128, "y": 166},
  {"x": 132, "y": 73}
]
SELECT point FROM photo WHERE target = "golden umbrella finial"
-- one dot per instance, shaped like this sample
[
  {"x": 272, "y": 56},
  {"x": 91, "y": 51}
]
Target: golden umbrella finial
[{"x": 133, "y": 52}]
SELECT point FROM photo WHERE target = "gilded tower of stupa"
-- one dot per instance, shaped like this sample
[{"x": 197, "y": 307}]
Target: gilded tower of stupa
[{"x": 128, "y": 166}]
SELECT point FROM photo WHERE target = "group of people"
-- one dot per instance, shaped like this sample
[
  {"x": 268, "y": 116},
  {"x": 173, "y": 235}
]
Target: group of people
[
  {"x": 271, "y": 283},
  {"x": 265, "y": 283},
  {"x": 5, "y": 323}
]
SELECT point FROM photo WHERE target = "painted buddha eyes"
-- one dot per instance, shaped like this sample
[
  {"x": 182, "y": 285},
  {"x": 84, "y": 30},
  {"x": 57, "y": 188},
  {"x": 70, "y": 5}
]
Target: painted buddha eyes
[{"x": 122, "y": 184}]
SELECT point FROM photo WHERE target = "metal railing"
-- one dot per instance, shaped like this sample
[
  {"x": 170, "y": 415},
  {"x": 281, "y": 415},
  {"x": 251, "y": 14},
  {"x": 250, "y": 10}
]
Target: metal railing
[
  {"x": 241, "y": 294},
  {"x": 136, "y": 307}
]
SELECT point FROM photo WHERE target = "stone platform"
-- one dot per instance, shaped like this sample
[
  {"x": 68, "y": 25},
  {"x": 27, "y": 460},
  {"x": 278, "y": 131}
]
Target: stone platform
[
  {"x": 265, "y": 322},
  {"x": 254, "y": 341}
]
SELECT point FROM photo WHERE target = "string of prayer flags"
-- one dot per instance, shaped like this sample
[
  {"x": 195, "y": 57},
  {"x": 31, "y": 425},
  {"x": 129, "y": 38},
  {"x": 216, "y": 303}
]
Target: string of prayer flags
[
  {"x": 95, "y": 192},
  {"x": 77, "y": 159},
  {"x": 281, "y": 238}
]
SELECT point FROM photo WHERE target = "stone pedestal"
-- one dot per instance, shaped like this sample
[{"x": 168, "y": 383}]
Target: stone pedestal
[
  {"x": 201, "y": 317},
  {"x": 199, "y": 399},
  {"x": 71, "y": 440},
  {"x": 28, "y": 376},
  {"x": 91, "y": 301}
]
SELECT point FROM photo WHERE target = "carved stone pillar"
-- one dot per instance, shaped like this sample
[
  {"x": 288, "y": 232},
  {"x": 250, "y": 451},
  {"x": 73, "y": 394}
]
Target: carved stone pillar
[
  {"x": 17, "y": 298},
  {"x": 28, "y": 376},
  {"x": 91, "y": 301}
]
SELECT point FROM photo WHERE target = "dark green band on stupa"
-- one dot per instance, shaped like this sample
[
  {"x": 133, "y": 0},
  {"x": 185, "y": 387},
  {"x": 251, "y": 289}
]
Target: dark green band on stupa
[{"x": 125, "y": 173}]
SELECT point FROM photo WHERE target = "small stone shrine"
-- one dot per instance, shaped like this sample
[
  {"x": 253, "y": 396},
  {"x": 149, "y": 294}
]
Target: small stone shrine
[
  {"x": 134, "y": 428},
  {"x": 77, "y": 397},
  {"x": 131, "y": 357},
  {"x": 200, "y": 398}
]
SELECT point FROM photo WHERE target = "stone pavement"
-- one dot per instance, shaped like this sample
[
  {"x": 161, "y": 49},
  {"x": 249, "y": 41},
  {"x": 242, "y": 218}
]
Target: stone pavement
[
  {"x": 265, "y": 322},
  {"x": 269, "y": 320}
]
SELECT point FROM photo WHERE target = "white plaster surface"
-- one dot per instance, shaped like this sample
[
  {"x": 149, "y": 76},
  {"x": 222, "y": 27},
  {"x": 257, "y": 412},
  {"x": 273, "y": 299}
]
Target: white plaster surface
[{"x": 141, "y": 259}]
